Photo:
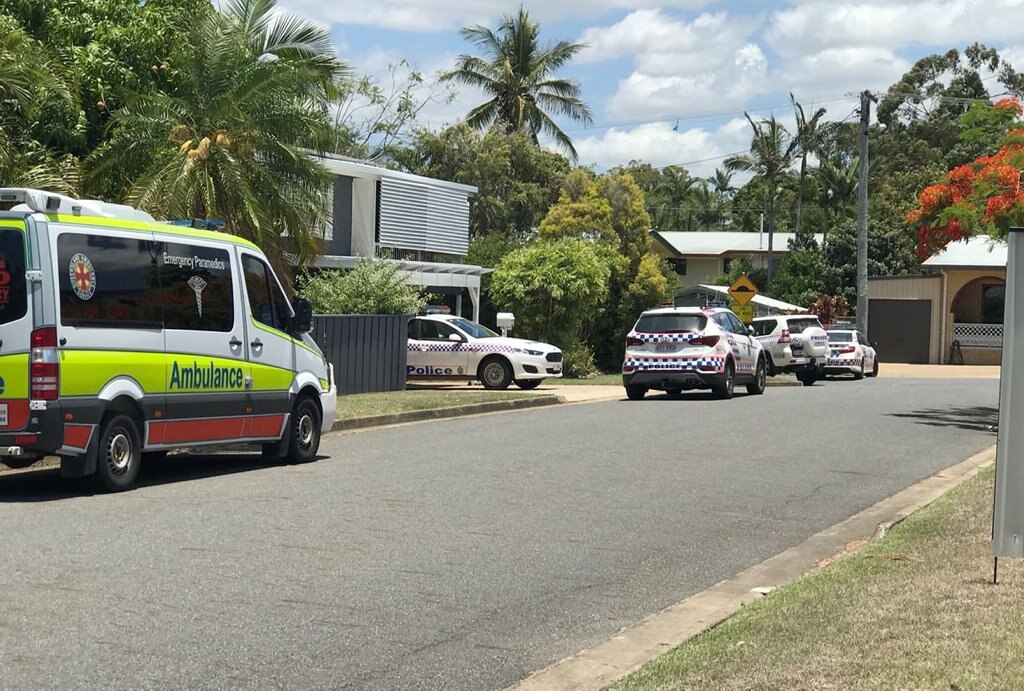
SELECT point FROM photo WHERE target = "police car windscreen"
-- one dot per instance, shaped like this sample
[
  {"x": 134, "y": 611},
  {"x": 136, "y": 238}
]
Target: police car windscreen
[
  {"x": 671, "y": 323},
  {"x": 13, "y": 289}
]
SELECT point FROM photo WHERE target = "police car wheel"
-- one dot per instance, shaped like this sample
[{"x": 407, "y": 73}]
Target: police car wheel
[
  {"x": 858, "y": 375},
  {"x": 756, "y": 387},
  {"x": 528, "y": 383},
  {"x": 635, "y": 392},
  {"x": 728, "y": 385},
  {"x": 304, "y": 431},
  {"x": 119, "y": 454},
  {"x": 495, "y": 374}
]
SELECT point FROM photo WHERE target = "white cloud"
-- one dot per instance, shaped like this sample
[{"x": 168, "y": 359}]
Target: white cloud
[
  {"x": 817, "y": 25},
  {"x": 445, "y": 15},
  {"x": 836, "y": 71},
  {"x": 659, "y": 145},
  {"x": 680, "y": 67}
]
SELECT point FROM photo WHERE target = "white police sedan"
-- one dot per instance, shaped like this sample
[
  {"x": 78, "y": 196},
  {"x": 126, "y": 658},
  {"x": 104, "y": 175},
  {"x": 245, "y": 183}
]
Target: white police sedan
[{"x": 443, "y": 346}]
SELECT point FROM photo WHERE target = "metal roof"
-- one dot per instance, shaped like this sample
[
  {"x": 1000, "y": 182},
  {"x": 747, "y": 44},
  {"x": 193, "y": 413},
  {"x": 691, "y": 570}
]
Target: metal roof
[
  {"x": 419, "y": 273},
  {"x": 978, "y": 251},
  {"x": 716, "y": 243},
  {"x": 770, "y": 303},
  {"x": 342, "y": 165}
]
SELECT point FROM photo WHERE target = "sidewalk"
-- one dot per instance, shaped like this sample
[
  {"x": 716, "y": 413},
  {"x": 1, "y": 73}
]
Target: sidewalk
[{"x": 895, "y": 370}]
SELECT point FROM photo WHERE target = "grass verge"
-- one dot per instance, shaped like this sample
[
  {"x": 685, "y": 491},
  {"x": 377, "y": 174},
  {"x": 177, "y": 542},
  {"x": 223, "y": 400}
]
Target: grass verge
[
  {"x": 913, "y": 610},
  {"x": 369, "y": 404}
]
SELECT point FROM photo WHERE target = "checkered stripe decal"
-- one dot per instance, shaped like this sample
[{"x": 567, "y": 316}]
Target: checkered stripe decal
[
  {"x": 687, "y": 337},
  {"x": 465, "y": 348},
  {"x": 770, "y": 338},
  {"x": 713, "y": 362}
]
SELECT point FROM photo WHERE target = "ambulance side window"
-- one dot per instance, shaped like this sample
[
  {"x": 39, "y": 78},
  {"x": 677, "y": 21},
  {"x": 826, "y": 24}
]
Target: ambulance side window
[
  {"x": 267, "y": 303},
  {"x": 198, "y": 293}
]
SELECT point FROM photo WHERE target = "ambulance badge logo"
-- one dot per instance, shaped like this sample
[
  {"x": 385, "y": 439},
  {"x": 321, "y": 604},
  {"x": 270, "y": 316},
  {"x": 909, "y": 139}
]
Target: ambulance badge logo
[
  {"x": 197, "y": 284},
  {"x": 83, "y": 276}
]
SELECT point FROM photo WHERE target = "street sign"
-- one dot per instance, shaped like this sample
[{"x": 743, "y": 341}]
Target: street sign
[
  {"x": 744, "y": 312},
  {"x": 743, "y": 290}
]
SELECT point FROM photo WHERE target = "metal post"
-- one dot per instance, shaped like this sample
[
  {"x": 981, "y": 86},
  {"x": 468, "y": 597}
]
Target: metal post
[
  {"x": 1008, "y": 500},
  {"x": 862, "y": 215}
]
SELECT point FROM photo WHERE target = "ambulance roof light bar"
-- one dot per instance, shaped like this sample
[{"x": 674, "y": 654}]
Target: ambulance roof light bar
[{"x": 23, "y": 199}]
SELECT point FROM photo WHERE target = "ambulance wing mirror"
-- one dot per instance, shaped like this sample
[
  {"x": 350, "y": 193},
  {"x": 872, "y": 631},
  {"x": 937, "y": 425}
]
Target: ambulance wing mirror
[{"x": 303, "y": 320}]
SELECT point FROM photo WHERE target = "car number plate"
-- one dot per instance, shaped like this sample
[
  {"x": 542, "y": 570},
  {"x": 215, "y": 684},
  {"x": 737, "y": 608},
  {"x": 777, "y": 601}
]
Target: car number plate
[
  {"x": 664, "y": 348},
  {"x": 3, "y": 414}
]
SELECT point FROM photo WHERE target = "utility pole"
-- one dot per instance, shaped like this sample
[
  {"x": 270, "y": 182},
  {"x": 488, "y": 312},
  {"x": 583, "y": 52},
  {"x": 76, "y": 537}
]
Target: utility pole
[{"x": 862, "y": 214}]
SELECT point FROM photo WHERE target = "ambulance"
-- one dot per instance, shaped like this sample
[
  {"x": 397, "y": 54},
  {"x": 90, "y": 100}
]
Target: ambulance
[{"x": 122, "y": 338}]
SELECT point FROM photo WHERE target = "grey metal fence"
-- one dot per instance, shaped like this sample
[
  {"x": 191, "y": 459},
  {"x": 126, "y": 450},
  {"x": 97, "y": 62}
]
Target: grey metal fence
[{"x": 368, "y": 351}]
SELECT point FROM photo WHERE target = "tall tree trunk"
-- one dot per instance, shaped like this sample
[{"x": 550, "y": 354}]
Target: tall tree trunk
[
  {"x": 771, "y": 232},
  {"x": 800, "y": 192}
]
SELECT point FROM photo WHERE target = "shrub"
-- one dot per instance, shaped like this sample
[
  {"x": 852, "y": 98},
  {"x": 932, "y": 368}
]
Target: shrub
[{"x": 372, "y": 287}]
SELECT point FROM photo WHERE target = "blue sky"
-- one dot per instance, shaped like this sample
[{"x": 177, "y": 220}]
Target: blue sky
[{"x": 668, "y": 80}]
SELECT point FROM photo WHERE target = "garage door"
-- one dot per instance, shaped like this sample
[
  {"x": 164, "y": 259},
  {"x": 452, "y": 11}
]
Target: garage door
[{"x": 902, "y": 329}]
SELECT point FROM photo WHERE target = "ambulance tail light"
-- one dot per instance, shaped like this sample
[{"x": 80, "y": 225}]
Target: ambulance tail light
[
  {"x": 784, "y": 336},
  {"x": 44, "y": 367}
]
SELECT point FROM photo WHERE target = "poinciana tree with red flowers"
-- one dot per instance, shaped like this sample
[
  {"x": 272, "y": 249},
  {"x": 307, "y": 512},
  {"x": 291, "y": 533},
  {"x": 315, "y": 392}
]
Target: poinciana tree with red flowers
[{"x": 983, "y": 197}]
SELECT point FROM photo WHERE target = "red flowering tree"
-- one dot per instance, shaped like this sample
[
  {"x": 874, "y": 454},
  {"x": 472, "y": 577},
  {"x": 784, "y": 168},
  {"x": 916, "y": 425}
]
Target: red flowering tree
[{"x": 981, "y": 197}]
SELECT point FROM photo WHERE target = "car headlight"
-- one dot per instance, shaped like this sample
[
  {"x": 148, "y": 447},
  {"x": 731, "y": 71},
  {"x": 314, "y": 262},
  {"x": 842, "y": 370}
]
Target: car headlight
[{"x": 532, "y": 352}]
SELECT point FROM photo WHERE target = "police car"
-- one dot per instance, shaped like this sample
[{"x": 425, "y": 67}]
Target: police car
[
  {"x": 122, "y": 338},
  {"x": 795, "y": 343},
  {"x": 676, "y": 349},
  {"x": 443, "y": 346},
  {"x": 850, "y": 352}
]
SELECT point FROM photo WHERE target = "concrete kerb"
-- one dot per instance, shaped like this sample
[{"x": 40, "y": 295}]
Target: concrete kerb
[
  {"x": 634, "y": 646},
  {"x": 441, "y": 413}
]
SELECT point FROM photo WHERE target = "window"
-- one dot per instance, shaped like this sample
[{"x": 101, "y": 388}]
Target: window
[
  {"x": 840, "y": 337},
  {"x": 108, "y": 282},
  {"x": 414, "y": 325},
  {"x": 993, "y": 299},
  {"x": 727, "y": 264},
  {"x": 13, "y": 290},
  {"x": 197, "y": 287},
  {"x": 764, "y": 327},
  {"x": 802, "y": 324},
  {"x": 671, "y": 323},
  {"x": 431, "y": 330},
  {"x": 678, "y": 264},
  {"x": 736, "y": 325},
  {"x": 267, "y": 302}
]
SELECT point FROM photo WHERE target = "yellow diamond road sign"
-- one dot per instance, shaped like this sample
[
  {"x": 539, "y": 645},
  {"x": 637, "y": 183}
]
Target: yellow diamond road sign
[{"x": 743, "y": 290}]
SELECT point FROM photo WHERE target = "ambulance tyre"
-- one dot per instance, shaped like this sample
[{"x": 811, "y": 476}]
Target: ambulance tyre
[
  {"x": 303, "y": 431},
  {"x": 119, "y": 454},
  {"x": 495, "y": 373},
  {"x": 527, "y": 384}
]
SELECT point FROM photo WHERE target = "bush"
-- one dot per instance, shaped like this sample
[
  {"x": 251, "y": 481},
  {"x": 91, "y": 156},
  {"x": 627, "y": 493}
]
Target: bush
[
  {"x": 578, "y": 361},
  {"x": 374, "y": 286}
]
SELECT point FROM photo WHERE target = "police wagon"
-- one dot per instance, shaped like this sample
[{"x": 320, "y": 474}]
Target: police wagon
[{"x": 122, "y": 338}]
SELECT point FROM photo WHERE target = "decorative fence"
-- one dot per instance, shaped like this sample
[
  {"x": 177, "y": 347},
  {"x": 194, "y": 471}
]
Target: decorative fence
[
  {"x": 978, "y": 335},
  {"x": 368, "y": 351}
]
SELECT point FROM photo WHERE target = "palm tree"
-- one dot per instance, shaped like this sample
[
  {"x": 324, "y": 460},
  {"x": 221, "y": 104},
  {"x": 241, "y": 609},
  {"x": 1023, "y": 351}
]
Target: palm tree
[
  {"x": 807, "y": 141},
  {"x": 516, "y": 72},
  {"x": 674, "y": 193},
  {"x": 839, "y": 181},
  {"x": 722, "y": 182},
  {"x": 771, "y": 157},
  {"x": 232, "y": 140}
]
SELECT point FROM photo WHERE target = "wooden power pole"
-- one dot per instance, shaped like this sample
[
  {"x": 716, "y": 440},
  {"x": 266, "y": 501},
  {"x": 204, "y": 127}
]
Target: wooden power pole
[{"x": 862, "y": 214}]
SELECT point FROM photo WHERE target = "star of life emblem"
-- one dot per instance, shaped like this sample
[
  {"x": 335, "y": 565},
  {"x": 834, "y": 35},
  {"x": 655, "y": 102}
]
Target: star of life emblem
[
  {"x": 83, "y": 276},
  {"x": 197, "y": 283}
]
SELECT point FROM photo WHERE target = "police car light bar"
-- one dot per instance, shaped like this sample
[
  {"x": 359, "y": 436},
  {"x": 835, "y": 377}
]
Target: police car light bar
[{"x": 24, "y": 199}]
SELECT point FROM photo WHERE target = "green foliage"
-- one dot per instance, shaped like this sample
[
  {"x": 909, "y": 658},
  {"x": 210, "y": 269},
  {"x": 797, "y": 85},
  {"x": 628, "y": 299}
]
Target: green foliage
[
  {"x": 650, "y": 287},
  {"x": 552, "y": 286},
  {"x": 372, "y": 287},
  {"x": 578, "y": 361},
  {"x": 581, "y": 212},
  {"x": 516, "y": 73},
  {"x": 799, "y": 278},
  {"x": 629, "y": 214}
]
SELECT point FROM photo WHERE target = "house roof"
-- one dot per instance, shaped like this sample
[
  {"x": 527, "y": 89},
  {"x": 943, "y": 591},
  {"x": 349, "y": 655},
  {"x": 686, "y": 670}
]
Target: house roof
[
  {"x": 763, "y": 300},
  {"x": 716, "y": 243},
  {"x": 342, "y": 165},
  {"x": 978, "y": 251}
]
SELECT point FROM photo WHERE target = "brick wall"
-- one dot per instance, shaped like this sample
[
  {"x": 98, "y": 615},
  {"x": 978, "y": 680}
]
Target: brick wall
[{"x": 964, "y": 305}]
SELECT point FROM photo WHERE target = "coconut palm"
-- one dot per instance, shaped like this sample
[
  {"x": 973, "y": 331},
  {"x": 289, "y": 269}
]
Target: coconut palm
[
  {"x": 516, "y": 72},
  {"x": 232, "y": 140},
  {"x": 807, "y": 141},
  {"x": 722, "y": 182},
  {"x": 771, "y": 157},
  {"x": 839, "y": 181}
]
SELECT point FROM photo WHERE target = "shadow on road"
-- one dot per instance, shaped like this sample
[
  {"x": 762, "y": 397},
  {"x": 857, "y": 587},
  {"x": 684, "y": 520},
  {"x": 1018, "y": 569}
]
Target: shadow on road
[
  {"x": 975, "y": 418},
  {"x": 47, "y": 484}
]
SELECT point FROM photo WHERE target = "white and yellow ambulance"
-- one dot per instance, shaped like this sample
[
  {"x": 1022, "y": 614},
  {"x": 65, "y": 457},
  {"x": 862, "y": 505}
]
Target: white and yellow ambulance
[{"x": 122, "y": 338}]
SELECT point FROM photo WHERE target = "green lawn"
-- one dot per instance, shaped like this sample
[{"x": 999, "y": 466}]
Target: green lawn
[
  {"x": 913, "y": 610},
  {"x": 600, "y": 379},
  {"x": 370, "y": 404}
]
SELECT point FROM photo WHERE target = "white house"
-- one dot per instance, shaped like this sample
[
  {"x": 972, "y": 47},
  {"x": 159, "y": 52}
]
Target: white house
[{"x": 420, "y": 222}]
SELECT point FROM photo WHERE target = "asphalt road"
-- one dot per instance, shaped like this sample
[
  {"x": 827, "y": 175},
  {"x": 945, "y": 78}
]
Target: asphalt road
[{"x": 458, "y": 554}]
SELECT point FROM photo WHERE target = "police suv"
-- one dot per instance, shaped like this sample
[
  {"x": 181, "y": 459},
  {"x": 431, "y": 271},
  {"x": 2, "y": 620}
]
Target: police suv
[
  {"x": 444, "y": 346},
  {"x": 794, "y": 343},
  {"x": 121, "y": 338}
]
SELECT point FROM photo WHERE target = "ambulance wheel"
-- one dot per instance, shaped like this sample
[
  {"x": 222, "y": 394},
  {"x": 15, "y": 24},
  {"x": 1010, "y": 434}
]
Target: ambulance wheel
[
  {"x": 119, "y": 454},
  {"x": 527, "y": 384},
  {"x": 495, "y": 373},
  {"x": 303, "y": 431}
]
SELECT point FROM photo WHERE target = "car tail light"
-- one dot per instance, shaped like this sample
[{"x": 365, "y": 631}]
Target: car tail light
[
  {"x": 784, "y": 336},
  {"x": 846, "y": 349},
  {"x": 44, "y": 367},
  {"x": 706, "y": 340},
  {"x": 633, "y": 341}
]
